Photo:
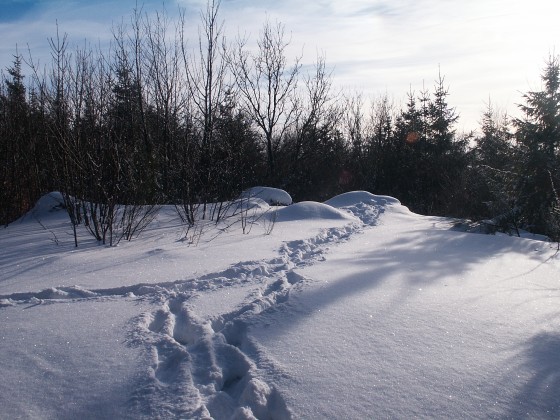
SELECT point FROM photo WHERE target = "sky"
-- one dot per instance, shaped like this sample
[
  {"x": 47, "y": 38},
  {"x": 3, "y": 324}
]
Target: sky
[{"x": 487, "y": 50}]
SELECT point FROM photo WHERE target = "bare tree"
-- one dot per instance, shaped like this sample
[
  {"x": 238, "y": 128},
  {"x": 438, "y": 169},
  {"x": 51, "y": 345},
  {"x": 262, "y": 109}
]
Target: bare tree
[
  {"x": 165, "y": 87},
  {"x": 206, "y": 71},
  {"x": 267, "y": 85},
  {"x": 355, "y": 124},
  {"x": 56, "y": 90},
  {"x": 317, "y": 106}
]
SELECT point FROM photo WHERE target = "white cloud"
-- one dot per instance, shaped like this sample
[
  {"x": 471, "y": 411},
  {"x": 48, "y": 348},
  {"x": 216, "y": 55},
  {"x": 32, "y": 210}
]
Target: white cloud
[{"x": 485, "y": 48}]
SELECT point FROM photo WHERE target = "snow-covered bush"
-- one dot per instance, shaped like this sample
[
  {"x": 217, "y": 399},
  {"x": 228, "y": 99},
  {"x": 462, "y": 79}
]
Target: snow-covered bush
[{"x": 272, "y": 196}]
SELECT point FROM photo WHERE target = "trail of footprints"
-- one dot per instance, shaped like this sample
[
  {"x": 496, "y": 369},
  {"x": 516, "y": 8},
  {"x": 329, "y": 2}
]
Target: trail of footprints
[
  {"x": 200, "y": 368},
  {"x": 206, "y": 360}
]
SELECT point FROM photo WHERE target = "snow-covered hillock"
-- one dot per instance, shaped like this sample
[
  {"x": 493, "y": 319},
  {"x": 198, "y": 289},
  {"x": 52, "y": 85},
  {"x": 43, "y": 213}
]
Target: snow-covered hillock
[
  {"x": 272, "y": 196},
  {"x": 367, "y": 206},
  {"x": 311, "y": 210},
  {"x": 355, "y": 198}
]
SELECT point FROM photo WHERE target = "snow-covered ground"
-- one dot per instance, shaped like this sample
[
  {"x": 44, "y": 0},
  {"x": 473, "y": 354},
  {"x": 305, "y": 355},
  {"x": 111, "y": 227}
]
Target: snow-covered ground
[{"x": 353, "y": 308}]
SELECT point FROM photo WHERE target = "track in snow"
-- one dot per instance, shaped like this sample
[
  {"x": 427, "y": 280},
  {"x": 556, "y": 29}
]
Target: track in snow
[
  {"x": 205, "y": 368},
  {"x": 201, "y": 367}
]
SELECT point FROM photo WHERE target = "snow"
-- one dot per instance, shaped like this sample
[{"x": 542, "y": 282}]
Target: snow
[
  {"x": 68, "y": 360},
  {"x": 352, "y": 308},
  {"x": 310, "y": 210},
  {"x": 272, "y": 196}
]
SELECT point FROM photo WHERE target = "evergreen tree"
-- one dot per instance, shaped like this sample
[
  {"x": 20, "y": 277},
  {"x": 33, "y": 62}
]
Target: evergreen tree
[
  {"x": 494, "y": 145},
  {"x": 19, "y": 183},
  {"x": 380, "y": 149},
  {"x": 538, "y": 137},
  {"x": 408, "y": 143},
  {"x": 432, "y": 157},
  {"x": 491, "y": 176},
  {"x": 442, "y": 119},
  {"x": 447, "y": 155}
]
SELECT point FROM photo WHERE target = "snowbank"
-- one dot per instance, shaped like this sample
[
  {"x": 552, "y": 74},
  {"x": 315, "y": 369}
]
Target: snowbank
[
  {"x": 355, "y": 197},
  {"x": 47, "y": 205},
  {"x": 310, "y": 210},
  {"x": 272, "y": 196}
]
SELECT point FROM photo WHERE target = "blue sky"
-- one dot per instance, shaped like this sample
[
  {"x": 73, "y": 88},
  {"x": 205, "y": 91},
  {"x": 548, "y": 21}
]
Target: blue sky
[{"x": 486, "y": 49}]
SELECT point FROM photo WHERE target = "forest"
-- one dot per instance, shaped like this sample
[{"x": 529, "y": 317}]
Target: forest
[{"x": 148, "y": 121}]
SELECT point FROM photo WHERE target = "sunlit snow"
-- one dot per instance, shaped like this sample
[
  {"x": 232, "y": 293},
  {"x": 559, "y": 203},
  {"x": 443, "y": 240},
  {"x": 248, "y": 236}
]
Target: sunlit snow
[{"x": 353, "y": 308}]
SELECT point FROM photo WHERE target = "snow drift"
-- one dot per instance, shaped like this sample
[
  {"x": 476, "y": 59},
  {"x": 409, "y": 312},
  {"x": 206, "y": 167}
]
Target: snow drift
[{"x": 310, "y": 210}]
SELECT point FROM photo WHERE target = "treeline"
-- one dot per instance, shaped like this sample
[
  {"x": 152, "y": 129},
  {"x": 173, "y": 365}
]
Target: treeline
[{"x": 154, "y": 121}]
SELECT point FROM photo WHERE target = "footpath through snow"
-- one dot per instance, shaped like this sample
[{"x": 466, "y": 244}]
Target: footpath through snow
[
  {"x": 404, "y": 318},
  {"x": 211, "y": 362}
]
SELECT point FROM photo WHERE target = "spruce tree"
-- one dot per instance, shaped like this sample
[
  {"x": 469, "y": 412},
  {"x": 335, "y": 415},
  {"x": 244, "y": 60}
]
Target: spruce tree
[
  {"x": 538, "y": 137},
  {"x": 493, "y": 176},
  {"x": 18, "y": 181}
]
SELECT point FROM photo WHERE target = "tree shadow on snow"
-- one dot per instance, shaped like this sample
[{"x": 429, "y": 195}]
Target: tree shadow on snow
[
  {"x": 539, "y": 397},
  {"x": 425, "y": 258},
  {"x": 407, "y": 265}
]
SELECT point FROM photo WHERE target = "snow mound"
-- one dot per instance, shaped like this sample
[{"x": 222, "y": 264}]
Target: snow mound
[
  {"x": 49, "y": 203},
  {"x": 311, "y": 210},
  {"x": 355, "y": 197},
  {"x": 272, "y": 196},
  {"x": 366, "y": 206}
]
